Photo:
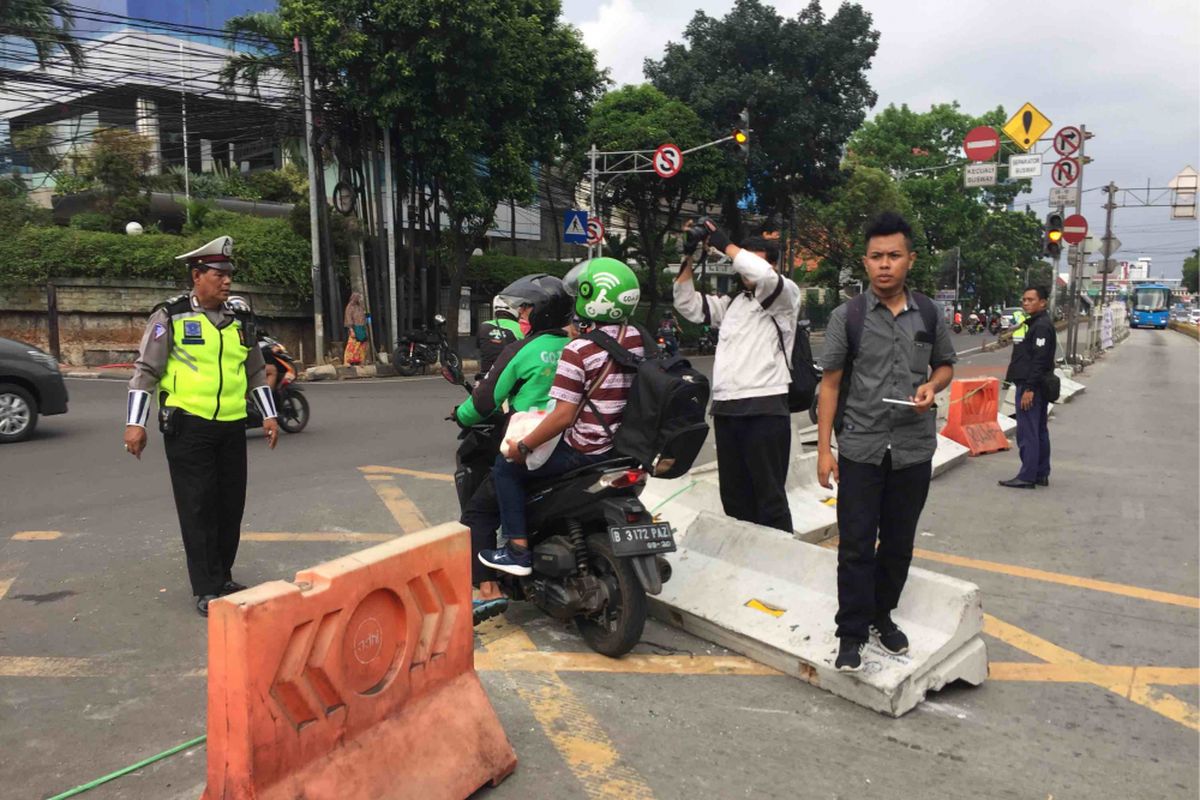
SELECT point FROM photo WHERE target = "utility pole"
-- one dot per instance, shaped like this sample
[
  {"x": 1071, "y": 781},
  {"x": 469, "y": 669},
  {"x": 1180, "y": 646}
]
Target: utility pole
[
  {"x": 1077, "y": 264},
  {"x": 301, "y": 44},
  {"x": 187, "y": 183},
  {"x": 389, "y": 214},
  {"x": 1106, "y": 250},
  {"x": 957, "y": 277},
  {"x": 592, "y": 249}
]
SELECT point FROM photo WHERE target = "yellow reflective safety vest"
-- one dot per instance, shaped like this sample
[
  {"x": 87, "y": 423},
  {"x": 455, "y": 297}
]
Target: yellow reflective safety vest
[
  {"x": 1022, "y": 326},
  {"x": 206, "y": 369}
]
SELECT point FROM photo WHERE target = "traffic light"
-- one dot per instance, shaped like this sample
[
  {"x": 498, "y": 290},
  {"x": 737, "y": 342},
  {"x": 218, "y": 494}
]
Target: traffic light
[
  {"x": 741, "y": 134},
  {"x": 1054, "y": 231}
]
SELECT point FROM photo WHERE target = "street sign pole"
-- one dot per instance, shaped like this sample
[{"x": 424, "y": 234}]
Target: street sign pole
[
  {"x": 592, "y": 251},
  {"x": 1077, "y": 265},
  {"x": 1107, "y": 250}
]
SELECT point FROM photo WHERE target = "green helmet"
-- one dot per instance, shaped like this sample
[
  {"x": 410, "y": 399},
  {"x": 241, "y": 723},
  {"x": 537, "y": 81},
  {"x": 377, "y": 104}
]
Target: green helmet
[{"x": 605, "y": 290}]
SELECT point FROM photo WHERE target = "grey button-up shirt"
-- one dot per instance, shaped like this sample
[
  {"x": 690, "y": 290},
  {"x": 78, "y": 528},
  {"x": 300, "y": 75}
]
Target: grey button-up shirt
[{"x": 892, "y": 361}]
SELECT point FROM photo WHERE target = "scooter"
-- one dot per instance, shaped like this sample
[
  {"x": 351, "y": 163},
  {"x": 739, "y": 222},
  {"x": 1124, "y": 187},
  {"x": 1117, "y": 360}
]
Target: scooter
[
  {"x": 597, "y": 550},
  {"x": 290, "y": 402}
]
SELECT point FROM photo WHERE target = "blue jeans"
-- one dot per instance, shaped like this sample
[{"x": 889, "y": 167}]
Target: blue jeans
[
  {"x": 510, "y": 480},
  {"x": 1033, "y": 437}
]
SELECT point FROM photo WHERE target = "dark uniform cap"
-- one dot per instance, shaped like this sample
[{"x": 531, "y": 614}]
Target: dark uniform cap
[{"x": 217, "y": 254}]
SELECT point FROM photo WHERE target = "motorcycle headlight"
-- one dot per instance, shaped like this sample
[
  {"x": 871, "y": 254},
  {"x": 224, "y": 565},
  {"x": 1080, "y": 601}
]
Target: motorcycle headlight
[{"x": 46, "y": 360}]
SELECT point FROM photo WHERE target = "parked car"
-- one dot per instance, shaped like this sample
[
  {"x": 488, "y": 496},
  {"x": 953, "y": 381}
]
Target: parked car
[
  {"x": 1194, "y": 316},
  {"x": 30, "y": 385},
  {"x": 1007, "y": 318}
]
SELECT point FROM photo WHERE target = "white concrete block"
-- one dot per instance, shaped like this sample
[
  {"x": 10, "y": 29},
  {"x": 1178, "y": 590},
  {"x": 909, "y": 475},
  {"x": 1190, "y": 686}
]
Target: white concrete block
[
  {"x": 949, "y": 454},
  {"x": 1008, "y": 425},
  {"x": 1070, "y": 387},
  {"x": 723, "y": 566}
]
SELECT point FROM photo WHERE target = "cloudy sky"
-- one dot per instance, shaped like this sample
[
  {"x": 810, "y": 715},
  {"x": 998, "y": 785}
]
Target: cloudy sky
[{"x": 1128, "y": 71}]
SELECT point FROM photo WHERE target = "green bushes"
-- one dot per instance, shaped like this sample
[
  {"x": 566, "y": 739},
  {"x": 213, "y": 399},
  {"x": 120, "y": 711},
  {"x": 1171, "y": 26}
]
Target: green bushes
[{"x": 490, "y": 273}]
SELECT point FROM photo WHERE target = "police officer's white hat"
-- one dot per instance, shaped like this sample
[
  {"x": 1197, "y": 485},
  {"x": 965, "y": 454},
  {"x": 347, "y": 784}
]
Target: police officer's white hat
[{"x": 217, "y": 254}]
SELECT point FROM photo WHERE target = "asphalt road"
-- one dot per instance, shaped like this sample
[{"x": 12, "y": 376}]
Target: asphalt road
[{"x": 102, "y": 656}]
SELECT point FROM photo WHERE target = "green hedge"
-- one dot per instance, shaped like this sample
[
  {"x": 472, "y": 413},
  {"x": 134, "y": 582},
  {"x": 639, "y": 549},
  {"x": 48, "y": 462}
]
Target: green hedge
[
  {"x": 266, "y": 251},
  {"x": 490, "y": 273}
]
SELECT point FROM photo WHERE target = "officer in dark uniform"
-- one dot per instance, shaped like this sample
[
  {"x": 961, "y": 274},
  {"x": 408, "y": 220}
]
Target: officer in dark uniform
[
  {"x": 499, "y": 332},
  {"x": 1032, "y": 362},
  {"x": 201, "y": 358}
]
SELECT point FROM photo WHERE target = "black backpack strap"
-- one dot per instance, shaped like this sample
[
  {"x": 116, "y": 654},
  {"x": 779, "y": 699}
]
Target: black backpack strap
[
  {"x": 707, "y": 312},
  {"x": 856, "y": 319},
  {"x": 783, "y": 348},
  {"x": 774, "y": 295},
  {"x": 611, "y": 346},
  {"x": 929, "y": 312}
]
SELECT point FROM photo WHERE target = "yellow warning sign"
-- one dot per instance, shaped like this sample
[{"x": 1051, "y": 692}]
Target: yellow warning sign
[
  {"x": 1026, "y": 126},
  {"x": 766, "y": 608}
]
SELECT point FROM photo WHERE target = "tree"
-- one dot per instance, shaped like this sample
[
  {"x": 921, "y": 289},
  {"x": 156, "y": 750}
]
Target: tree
[
  {"x": 641, "y": 118},
  {"x": 45, "y": 24},
  {"x": 1191, "y": 271},
  {"x": 804, "y": 80}
]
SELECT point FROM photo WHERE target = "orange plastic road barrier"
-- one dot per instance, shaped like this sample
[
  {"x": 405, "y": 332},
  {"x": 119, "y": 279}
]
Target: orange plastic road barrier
[
  {"x": 355, "y": 682},
  {"x": 971, "y": 419}
]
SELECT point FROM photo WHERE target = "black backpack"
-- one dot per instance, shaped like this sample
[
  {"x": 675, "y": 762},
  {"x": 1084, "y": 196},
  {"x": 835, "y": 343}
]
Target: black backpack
[
  {"x": 663, "y": 425},
  {"x": 856, "y": 319},
  {"x": 803, "y": 387}
]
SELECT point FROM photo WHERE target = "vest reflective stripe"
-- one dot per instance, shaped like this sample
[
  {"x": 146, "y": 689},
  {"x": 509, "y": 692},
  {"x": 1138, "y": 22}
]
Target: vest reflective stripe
[
  {"x": 206, "y": 374},
  {"x": 1022, "y": 328}
]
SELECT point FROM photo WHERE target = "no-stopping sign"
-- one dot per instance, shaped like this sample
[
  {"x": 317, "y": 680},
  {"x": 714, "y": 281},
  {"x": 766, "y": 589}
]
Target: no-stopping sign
[
  {"x": 595, "y": 231},
  {"x": 668, "y": 160}
]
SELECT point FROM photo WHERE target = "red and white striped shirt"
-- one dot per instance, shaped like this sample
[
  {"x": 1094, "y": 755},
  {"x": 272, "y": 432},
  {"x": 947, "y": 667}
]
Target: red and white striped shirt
[{"x": 580, "y": 365}]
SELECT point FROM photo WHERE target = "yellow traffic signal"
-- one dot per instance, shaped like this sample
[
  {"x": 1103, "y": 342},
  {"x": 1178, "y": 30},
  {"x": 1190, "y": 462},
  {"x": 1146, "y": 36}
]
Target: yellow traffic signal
[
  {"x": 740, "y": 137},
  {"x": 1053, "y": 236}
]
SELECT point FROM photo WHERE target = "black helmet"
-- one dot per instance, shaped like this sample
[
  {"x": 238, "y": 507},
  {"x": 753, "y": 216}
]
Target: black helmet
[{"x": 552, "y": 306}]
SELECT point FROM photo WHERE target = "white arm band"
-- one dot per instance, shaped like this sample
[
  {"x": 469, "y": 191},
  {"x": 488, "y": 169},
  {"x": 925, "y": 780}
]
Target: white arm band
[
  {"x": 137, "y": 410},
  {"x": 265, "y": 400}
]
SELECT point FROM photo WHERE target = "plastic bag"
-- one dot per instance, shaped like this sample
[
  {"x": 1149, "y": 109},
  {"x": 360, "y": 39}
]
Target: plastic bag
[{"x": 520, "y": 425}]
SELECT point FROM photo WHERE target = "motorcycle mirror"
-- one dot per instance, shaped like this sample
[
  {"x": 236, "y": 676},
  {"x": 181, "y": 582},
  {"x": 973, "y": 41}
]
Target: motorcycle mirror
[{"x": 439, "y": 319}]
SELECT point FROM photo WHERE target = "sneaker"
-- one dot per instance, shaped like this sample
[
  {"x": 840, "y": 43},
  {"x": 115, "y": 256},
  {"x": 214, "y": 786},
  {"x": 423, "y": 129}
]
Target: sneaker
[
  {"x": 505, "y": 559},
  {"x": 486, "y": 609},
  {"x": 849, "y": 657},
  {"x": 890, "y": 637}
]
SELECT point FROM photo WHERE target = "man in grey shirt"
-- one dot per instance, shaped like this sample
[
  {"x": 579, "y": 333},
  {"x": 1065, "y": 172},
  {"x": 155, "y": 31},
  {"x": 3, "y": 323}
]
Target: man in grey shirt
[{"x": 887, "y": 355}]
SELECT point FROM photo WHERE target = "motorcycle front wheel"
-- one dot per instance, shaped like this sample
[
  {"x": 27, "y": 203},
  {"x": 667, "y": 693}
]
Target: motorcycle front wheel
[
  {"x": 616, "y": 628},
  {"x": 293, "y": 412}
]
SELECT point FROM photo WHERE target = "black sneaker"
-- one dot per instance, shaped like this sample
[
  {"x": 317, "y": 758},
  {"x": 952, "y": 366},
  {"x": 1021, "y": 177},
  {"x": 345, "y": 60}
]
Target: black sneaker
[
  {"x": 890, "y": 637},
  {"x": 849, "y": 657}
]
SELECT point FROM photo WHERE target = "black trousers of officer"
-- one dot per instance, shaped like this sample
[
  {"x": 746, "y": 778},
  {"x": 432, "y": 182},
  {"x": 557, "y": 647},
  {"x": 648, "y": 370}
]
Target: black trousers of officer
[
  {"x": 875, "y": 500},
  {"x": 752, "y": 462},
  {"x": 207, "y": 460}
]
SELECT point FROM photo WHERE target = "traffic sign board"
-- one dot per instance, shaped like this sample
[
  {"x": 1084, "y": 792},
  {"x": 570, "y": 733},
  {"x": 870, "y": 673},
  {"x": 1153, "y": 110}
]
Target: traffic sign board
[
  {"x": 595, "y": 231},
  {"x": 668, "y": 160},
  {"x": 1075, "y": 229},
  {"x": 980, "y": 174},
  {"x": 982, "y": 143},
  {"x": 1029, "y": 166},
  {"x": 1109, "y": 266},
  {"x": 1109, "y": 245},
  {"x": 1064, "y": 195},
  {"x": 575, "y": 225},
  {"x": 1067, "y": 140},
  {"x": 1065, "y": 171},
  {"x": 1026, "y": 126}
]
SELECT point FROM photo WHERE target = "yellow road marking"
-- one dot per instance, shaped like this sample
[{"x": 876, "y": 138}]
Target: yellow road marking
[
  {"x": 404, "y": 510},
  {"x": 36, "y": 536},
  {"x": 1122, "y": 589},
  {"x": 1132, "y": 683},
  {"x": 5, "y": 585},
  {"x": 415, "y": 473},
  {"x": 34, "y": 667},
  {"x": 573, "y": 731},
  {"x": 330, "y": 536}
]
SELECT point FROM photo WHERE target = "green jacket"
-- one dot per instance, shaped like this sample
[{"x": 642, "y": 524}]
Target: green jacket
[{"x": 522, "y": 375}]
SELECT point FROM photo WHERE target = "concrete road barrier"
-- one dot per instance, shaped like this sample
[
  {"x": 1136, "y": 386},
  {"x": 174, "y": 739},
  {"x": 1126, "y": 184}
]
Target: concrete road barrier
[
  {"x": 949, "y": 454},
  {"x": 356, "y": 681},
  {"x": 761, "y": 593},
  {"x": 1070, "y": 387}
]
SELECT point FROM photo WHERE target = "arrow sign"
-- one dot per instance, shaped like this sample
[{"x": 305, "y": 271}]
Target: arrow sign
[
  {"x": 1075, "y": 229},
  {"x": 981, "y": 144},
  {"x": 1067, "y": 140},
  {"x": 1065, "y": 171},
  {"x": 668, "y": 160}
]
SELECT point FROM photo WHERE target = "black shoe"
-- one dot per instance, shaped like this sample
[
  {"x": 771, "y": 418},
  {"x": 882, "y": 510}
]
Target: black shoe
[
  {"x": 890, "y": 637},
  {"x": 1017, "y": 483},
  {"x": 230, "y": 587},
  {"x": 1043, "y": 481},
  {"x": 202, "y": 602},
  {"x": 486, "y": 609},
  {"x": 849, "y": 657}
]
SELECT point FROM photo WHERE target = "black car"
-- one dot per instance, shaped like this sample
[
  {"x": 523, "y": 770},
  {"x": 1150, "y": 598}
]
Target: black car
[{"x": 30, "y": 384}]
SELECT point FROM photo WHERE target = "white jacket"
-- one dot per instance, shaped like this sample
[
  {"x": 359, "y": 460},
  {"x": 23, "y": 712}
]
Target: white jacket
[{"x": 749, "y": 362}]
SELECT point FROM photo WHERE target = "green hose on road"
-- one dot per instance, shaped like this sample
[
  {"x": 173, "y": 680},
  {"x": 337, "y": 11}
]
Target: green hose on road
[{"x": 132, "y": 768}]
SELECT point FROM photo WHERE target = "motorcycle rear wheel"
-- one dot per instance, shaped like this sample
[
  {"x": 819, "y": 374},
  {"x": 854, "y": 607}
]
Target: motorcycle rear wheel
[
  {"x": 293, "y": 412},
  {"x": 615, "y": 629},
  {"x": 407, "y": 367}
]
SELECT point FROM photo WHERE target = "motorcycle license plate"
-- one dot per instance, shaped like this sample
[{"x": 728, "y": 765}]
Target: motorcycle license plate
[{"x": 642, "y": 540}]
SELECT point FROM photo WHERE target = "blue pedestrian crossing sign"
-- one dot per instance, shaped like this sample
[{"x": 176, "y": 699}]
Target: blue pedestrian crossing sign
[{"x": 575, "y": 227}]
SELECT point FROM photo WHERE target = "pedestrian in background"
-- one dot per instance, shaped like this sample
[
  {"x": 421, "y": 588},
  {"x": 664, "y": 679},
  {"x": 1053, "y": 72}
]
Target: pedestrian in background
[
  {"x": 201, "y": 360},
  {"x": 1032, "y": 362},
  {"x": 751, "y": 373},
  {"x": 355, "y": 320},
  {"x": 887, "y": 355}
]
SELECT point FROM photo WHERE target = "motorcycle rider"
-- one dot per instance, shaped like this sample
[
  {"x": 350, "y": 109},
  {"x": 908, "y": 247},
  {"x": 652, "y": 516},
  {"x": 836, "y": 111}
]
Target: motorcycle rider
[
  {"x": 241, "y": 308},
  {"x": 668, "y": 331},
  {"x": 521, "y": 376},
  {"x": 507, "y": 325}
]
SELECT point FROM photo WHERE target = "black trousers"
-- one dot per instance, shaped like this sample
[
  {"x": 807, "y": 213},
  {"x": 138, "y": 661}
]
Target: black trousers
[
  {"x": 752, "y": 461},
  {"x": 875, "y": 501},
  {"x": 208, "y": 476},
  {"x": 482, "y": 516},
  {"x": 1033, "y": 436}
]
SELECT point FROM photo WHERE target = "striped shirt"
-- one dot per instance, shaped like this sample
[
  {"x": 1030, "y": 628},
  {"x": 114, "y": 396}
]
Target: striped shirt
[{"x": 579, "y": 367}]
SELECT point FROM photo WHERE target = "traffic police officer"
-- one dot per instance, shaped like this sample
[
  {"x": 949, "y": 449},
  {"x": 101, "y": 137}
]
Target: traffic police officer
[{"x": 201, "y": 359}]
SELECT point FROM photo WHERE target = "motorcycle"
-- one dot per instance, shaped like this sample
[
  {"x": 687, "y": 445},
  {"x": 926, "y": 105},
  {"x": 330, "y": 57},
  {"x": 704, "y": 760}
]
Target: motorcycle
[
  {"x": 417, "y": 350},
  {"x": 974, "y": 325},
  {"x": 596, "y": 548},
  {"x": 290, "y": 402},
  {"x": 994, "y": 326},
  {"x": 707, "y": 344},
  {"x": 668, "y": 345}
]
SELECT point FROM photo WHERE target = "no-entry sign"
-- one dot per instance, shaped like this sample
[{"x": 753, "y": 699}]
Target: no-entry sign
[
  {"x": 982, "y": 143},
  {"x": 1075, "y": 229}
]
